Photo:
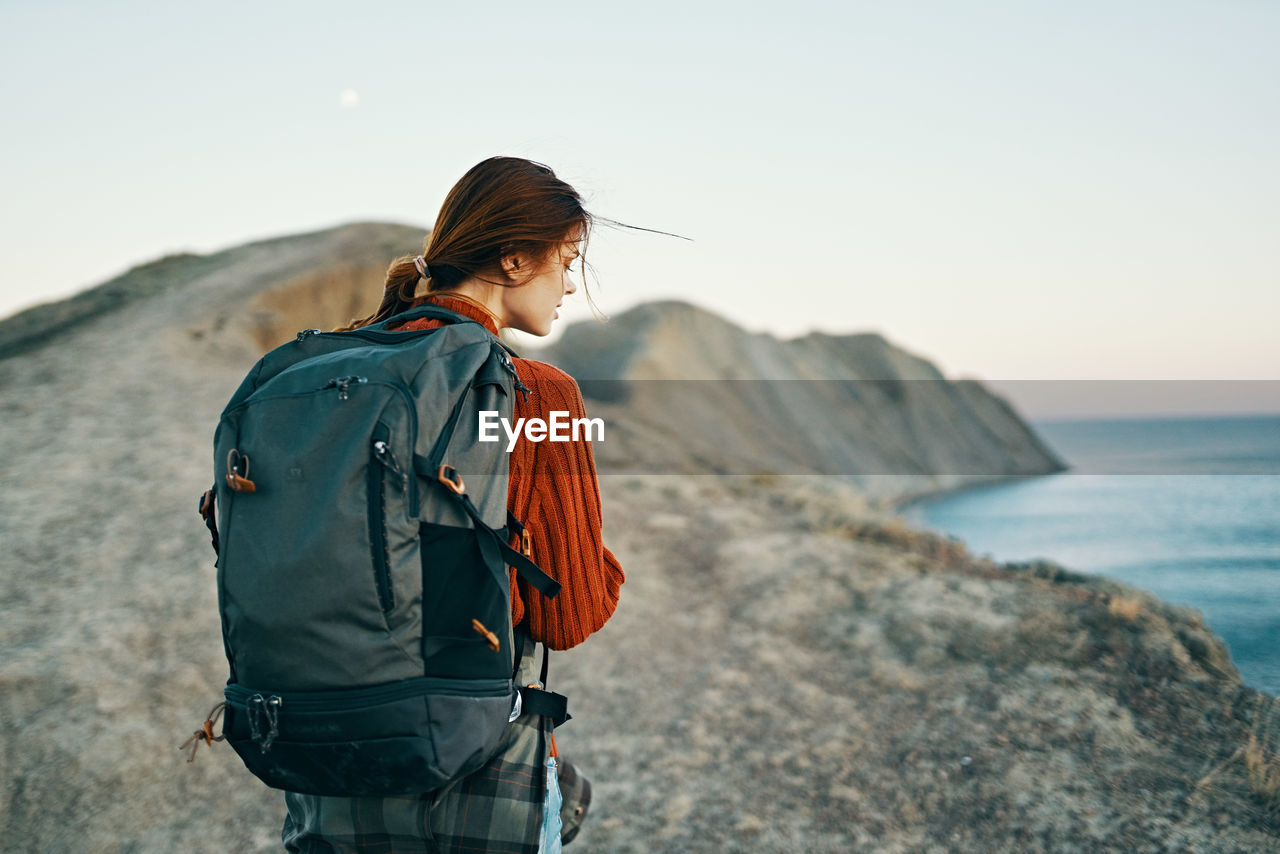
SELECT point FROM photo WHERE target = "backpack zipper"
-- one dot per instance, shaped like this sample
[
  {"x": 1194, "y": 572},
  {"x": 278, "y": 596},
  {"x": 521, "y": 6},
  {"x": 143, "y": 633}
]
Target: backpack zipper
[
  {"x": 264, "y": 713},
  {"x": 358, "y": 698},
  {"x": 383, "y": 454},
  {"x": 379, "y": 337},
  {"x": 510, "y": 368},
  {"x": 344, "y": 390},
  {"x": 343, "y": 385},
  {"x": 410, "y": 482},
  {"x": 378, "y": 517}
]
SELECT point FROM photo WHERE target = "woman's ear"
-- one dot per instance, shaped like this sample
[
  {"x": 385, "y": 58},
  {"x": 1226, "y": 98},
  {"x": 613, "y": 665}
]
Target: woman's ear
[{"x": 514, "y": 265}]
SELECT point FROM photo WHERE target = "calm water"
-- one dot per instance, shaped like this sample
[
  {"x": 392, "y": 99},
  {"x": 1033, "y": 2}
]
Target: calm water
[{"x": 1187, "y": 508}]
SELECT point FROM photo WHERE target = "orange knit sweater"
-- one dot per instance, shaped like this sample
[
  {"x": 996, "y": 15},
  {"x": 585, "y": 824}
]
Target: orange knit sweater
[{"x": 552, "y": 489}]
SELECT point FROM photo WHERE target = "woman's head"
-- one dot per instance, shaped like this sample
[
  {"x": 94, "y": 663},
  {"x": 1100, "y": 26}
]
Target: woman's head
[
  {"x": 540, "y": 287},
  {"x": 508, "y": 223}
]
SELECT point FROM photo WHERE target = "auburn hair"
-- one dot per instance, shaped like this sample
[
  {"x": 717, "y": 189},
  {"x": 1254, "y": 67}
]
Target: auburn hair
[{"x": 502, "y": 206}]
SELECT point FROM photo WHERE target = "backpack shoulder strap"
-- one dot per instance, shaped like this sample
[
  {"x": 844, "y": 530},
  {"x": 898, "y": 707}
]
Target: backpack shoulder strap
[
  {"x": 426, "y": 310},
  {"x": 534, "y": 697},
  {"x": 437, "y": 312}
]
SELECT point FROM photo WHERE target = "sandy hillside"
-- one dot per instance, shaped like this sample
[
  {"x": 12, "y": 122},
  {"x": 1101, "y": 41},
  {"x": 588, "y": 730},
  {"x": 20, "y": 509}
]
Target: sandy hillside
[{"x": 790, "y": 670}]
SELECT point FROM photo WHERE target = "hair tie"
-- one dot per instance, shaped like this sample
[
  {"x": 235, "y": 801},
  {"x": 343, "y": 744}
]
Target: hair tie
[{"x": 421, "y": 264}]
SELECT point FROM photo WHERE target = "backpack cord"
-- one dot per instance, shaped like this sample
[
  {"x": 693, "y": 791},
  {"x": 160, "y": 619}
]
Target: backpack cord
[{"x": 204, "y": 735}]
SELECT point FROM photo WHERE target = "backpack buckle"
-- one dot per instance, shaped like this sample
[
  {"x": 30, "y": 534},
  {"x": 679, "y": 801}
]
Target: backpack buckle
[
  {"x": 449, "y": 476},
  {"x": 526, "y": 543}
]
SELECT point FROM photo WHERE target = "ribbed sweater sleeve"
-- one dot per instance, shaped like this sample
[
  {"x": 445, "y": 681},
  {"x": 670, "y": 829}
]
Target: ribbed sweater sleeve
[{"x": 553, "y": 490}]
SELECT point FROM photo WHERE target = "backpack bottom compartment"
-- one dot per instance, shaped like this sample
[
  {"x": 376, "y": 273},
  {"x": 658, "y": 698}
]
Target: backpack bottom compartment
[{"x": 396, "y": 739}]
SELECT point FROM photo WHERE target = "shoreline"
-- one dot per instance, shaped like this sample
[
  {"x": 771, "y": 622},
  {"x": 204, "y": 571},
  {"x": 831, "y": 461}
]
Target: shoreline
[{"x": 899, "y": 503}]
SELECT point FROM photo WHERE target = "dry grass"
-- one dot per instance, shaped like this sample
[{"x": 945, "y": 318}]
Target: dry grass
[
  {"x": 1126, "y": 608},
  {"x": 895, "y": 533},
  {"x": 1262, "y": 754}
]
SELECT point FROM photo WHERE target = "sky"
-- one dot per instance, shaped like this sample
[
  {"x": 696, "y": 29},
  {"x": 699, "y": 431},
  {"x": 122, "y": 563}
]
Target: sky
[{"x": 1014, "y": 190}]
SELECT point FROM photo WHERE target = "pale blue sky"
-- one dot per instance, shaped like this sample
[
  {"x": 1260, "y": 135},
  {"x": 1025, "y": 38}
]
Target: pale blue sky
[{"x": 1015, "y": 190}]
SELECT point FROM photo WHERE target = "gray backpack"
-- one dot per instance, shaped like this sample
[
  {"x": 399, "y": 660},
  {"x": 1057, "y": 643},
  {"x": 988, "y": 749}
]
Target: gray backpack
[{"x": 361, "y": 531}]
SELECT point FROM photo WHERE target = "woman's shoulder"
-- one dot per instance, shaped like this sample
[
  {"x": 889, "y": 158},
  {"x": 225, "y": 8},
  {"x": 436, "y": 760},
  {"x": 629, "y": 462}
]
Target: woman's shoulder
[
  {"x": 550, "y": 386},
  {"x": 531, "y": 369}
]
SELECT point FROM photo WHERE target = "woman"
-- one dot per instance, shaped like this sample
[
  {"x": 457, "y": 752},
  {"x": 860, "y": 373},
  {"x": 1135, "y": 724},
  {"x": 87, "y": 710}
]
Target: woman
[{"x": 501, "y": 253}]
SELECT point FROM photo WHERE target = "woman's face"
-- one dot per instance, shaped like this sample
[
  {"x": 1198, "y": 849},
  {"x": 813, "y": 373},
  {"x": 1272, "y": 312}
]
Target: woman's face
[{"x": 531, "y": 307}]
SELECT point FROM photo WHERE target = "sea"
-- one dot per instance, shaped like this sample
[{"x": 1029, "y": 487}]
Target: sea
[{"x": 1187, "y": 508}]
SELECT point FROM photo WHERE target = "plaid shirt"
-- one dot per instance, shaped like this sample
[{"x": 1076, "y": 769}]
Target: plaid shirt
[{"x": 498, "y": 808}]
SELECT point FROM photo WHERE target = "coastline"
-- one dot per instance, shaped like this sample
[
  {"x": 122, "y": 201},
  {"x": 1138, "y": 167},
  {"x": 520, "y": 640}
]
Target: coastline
[{"x": 899, "y": 503}]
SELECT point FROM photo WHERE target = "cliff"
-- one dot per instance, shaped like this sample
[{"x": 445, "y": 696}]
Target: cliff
[
  {"x": 790, "y": 668},
  {"x": 682, "y": 390}
]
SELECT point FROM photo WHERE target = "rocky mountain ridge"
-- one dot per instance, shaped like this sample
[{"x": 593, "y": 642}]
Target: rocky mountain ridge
[{"x": 689, "y": 392}]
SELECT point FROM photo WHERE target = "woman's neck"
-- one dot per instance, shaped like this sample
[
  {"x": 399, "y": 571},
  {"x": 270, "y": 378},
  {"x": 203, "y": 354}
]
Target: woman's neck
[
  {"x": 469, "y": 295},
  {"x": 471, "y": 300}
]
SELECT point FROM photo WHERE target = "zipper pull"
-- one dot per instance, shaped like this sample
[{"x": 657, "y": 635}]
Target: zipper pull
[
  {"x": 342, "y": 384},
  {"x": 272, "y": 710},
  {"x": 509, "y": 367},
  {"x": 382, "y": 453},
  {"x": 489, "y": 637},
  {"x": 304, "y": 334},
  {"x": 264, "y": 714},
  {"x": 237, "y": 478}
]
